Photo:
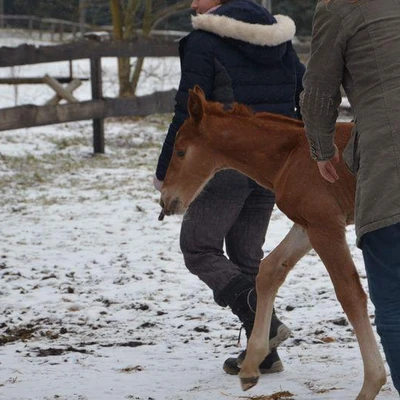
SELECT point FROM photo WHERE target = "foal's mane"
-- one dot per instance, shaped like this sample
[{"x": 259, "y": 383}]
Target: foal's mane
[{"x": 243, "y": 111}]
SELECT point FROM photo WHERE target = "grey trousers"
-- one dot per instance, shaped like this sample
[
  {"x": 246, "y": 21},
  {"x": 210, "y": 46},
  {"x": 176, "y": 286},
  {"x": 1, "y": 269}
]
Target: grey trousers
[{"x": 232, "y": 210}]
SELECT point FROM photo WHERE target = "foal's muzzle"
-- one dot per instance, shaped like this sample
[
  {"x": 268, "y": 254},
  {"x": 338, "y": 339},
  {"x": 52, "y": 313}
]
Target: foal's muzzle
[{"x": 170, "y": 208}]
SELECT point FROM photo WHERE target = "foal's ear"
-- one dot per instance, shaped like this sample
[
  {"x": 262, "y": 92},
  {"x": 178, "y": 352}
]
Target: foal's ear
[
  {"x": 196, "y": 104},
  {"x": 199, "y": 91}
]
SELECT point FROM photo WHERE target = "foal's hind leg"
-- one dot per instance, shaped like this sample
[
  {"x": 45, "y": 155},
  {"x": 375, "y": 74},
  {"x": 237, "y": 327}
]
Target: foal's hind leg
[
  {"x": 330, "y": 244},
  {"x": 273, "y": 271}
]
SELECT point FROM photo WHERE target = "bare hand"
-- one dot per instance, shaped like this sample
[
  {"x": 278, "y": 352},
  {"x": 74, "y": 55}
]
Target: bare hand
[{"x": 327, "y": 168}]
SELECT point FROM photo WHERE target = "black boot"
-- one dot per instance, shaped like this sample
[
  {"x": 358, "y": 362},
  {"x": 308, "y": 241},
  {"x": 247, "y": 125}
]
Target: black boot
[
  {"x": 271, "y": 364},
  {"x": 240, "y": 296}
]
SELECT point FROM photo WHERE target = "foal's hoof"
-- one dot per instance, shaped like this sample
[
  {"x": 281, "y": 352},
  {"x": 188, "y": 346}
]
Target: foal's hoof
[{"x": 248, "y": 383}]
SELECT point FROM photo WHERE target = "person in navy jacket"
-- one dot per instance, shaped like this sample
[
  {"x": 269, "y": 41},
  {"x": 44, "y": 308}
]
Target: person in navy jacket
[{"x": 237, "y": 52}]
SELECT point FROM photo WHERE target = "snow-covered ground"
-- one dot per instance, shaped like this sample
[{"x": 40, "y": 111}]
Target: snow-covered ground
[{"x": 95, "y": 301}]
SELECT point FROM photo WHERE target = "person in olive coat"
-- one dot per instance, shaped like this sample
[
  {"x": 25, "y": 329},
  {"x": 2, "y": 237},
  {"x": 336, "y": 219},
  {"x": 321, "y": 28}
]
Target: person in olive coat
[{"x": 356, "y": 44}]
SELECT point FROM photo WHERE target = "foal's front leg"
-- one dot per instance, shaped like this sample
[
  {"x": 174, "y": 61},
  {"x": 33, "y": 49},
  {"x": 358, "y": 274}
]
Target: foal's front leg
[{"x": 273, "y": 271}]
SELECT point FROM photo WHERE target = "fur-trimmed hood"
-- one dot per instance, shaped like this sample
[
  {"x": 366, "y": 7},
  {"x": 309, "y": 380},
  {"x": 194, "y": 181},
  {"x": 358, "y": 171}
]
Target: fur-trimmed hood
[
  {"x": 250, "y": 28},
  {"x": 262, "y": 35}
]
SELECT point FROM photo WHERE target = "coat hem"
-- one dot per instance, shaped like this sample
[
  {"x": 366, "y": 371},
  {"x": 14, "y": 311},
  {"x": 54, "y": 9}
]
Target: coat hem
[{"x": 383, "y": 223}]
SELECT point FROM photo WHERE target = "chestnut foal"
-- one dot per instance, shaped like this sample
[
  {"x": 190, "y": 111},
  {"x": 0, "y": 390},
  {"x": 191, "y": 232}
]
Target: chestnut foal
[{"x": 273, "y": 150}]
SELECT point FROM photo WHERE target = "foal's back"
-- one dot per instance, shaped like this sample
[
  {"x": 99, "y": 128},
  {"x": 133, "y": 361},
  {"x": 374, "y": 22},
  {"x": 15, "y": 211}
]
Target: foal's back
[{"x": 305, "y": 196}]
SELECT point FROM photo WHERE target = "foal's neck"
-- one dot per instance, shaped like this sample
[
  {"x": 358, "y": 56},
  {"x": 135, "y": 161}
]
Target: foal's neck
[{"x": 258, "y": 145}]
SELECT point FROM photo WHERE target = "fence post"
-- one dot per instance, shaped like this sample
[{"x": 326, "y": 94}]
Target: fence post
[
  {"x": 97, "y": 93},
  {"x": 53, "y": 29},
  {"x": 82, "y": 16},
  {"x": 71, "y": 70},
  {"x": 61, "y": 31}
]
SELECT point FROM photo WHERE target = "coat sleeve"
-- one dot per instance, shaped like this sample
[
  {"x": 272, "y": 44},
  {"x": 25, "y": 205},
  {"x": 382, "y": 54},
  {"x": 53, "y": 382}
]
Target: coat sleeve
[
  {"x": 197, "y": 66},
  {"x": 321, "y": 96}
]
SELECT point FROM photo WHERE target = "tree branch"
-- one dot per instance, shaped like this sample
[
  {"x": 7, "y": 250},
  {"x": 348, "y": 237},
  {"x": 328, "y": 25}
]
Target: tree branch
[{"x": 168, "y": 11}]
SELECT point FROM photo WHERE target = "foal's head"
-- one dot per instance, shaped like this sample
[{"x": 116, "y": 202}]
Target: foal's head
[{"x": 193, "y": 161}]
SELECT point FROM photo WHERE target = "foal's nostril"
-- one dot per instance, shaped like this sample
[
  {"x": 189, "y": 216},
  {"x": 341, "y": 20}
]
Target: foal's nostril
[{"x": 174, "y": 206}]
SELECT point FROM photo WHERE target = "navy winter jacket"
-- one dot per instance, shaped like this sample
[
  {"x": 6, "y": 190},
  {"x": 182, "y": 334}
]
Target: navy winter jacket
[{"x": 241, "y": 53}]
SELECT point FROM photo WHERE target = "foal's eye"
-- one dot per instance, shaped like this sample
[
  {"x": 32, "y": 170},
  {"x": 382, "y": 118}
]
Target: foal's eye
[{"x": 180, "y": 153}]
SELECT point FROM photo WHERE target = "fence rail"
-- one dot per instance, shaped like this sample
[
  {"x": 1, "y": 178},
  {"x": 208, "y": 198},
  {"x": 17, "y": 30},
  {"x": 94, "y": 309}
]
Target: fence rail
[
  {"x": 140, "y": 47},
  {"x": 31, "y": 115}
]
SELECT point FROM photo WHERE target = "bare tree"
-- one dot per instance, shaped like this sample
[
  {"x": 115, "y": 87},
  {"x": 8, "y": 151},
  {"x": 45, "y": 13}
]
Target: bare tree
[
  {"x": 82, "y": 15},
  {"x": 267, "y": 4},
  {"x": 125, "y": 26},
  {"x": 1, "y": 13}
]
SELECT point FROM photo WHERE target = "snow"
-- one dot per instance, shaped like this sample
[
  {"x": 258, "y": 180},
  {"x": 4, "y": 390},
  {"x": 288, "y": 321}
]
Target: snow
[{"x": 96, "y": 302}]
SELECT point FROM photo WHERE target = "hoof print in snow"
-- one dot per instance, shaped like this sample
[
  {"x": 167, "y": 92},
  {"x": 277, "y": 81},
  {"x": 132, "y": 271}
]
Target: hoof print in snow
[
  {"x": 201, "y": 329},
  {"x": 147, "y": 325},
  {"x": 131, "y": 368},
  {"x": 58, "y": 352},
  {"x": 342, "y": 321}
]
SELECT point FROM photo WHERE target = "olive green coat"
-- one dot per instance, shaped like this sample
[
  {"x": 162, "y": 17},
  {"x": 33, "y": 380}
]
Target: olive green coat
[{"x": 357, "y": 44}]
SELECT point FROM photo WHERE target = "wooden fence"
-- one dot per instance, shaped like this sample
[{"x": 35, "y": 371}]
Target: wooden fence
[{"x": 99, "y": 107}]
